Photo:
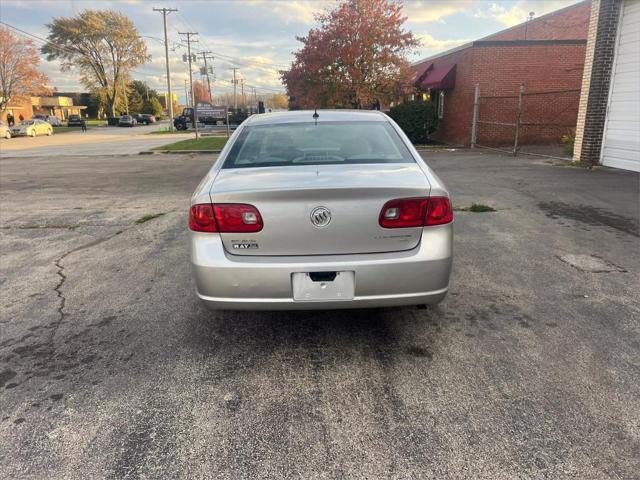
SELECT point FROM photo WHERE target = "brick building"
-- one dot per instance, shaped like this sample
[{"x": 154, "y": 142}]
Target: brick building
[
  {"x": 608, "y": 129},
  {"x": 545, "y": 55},
  {"x": 27, "y": 106}
]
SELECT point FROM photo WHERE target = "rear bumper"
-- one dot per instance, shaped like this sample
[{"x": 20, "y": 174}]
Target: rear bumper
[{"x": 233, "y": 282}]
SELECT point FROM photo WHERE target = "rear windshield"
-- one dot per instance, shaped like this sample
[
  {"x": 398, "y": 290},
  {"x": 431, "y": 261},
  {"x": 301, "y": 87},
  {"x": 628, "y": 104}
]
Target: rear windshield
[{"x": 317, "y": 144}]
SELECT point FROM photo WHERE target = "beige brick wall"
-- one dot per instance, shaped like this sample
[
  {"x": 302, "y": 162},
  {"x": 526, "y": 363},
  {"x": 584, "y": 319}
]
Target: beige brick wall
[{"x": 586, "y": 78}]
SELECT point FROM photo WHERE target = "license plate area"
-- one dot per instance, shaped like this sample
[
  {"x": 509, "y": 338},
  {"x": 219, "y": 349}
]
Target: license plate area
[{"x": 319, "y": 286}]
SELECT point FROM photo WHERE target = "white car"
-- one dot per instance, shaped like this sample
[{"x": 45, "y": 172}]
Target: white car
[
  {"x": 31, "y": 128},
  {"x": 5, "y": 131}
]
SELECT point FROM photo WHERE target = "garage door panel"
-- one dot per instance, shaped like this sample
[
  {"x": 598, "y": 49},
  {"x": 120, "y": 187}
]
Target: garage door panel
[{"x": 621, "y": 138}]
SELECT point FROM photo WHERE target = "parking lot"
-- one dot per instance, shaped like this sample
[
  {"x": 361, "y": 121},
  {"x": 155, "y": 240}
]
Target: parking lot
[
  {"x": 95, "y": 141},
  {"x": 110, "y": 368}
]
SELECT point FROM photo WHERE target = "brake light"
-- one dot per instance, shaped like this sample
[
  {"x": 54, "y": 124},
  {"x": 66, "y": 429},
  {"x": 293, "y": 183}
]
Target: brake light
[
  {"x": 237, "y": 217},
  {"x": 225, "y": 218},
  {"x": 439, "y": 211},
  {"x": 416, "y": 212},
  {"x": 201, "y": 218}
]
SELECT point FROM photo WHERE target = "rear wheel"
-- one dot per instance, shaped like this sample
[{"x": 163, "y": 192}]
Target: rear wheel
[
  {"x": 49, "y": 132},
  {"x": 32, "y": 133},
  {"x": 7, "y": 134}
]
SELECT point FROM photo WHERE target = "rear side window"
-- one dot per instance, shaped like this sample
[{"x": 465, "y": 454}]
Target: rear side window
[{"x": 317, "y": 144}]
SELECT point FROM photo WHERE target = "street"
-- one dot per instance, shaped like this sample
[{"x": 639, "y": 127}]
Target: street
[
  {"x": 110, "y": 368},
  {"x": 95, "y": 141}
]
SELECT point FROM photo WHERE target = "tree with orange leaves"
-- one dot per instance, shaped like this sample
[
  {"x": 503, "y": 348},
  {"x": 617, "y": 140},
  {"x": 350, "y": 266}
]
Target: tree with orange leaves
[
  {"x": 19, "y": 75},
  {"x": 353, "y": 59},
  {"x": 200, "y": 92}
]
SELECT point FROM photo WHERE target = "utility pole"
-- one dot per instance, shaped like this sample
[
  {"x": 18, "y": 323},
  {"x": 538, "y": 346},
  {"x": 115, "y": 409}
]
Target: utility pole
[
  {"x": 206, "y": 69},
  {"x": 165, "y": 12},
  {"x": 235, "y": 84},
  {"x": 193, "y": 102},
  {"x": 126, "y": 97},
  {"x": 186, "y": 94}
]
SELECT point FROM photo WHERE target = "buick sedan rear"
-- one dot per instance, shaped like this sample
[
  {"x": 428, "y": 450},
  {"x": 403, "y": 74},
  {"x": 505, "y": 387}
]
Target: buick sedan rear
[{"x": 315, "y": 211}]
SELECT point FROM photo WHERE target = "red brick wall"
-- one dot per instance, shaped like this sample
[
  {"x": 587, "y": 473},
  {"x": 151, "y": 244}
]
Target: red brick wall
[
  {"x": 542, "y": 68},
  {"x": 567, "y": 24},
  {"x": 499, "y": 69},
  {"x": 455, "y": 126}
]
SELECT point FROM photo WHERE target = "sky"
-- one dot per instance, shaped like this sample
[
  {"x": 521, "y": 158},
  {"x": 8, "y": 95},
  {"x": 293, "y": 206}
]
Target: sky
[{"x": 259, "y": 36}]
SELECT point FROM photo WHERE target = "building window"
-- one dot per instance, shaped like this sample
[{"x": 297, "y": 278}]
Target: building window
[{"x": 441, "y": 104}]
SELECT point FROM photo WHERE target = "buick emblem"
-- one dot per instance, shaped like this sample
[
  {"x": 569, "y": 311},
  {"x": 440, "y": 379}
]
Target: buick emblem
[{"x": 320, "y": 217}]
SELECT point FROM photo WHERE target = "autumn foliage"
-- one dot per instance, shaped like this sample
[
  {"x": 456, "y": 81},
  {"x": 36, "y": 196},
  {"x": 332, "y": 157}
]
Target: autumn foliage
[
  {"x": 200, "y": 92},
  {"x": 19, "y": 74},
  {"x": 353, "y": 59}
]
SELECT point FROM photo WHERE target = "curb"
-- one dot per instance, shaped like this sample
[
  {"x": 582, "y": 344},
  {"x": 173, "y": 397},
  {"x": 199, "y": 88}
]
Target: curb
[{"x": 153, "y": 152}]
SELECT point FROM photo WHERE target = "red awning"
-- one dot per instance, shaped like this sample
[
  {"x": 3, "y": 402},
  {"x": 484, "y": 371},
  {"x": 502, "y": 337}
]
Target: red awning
[
  {"x": 421, "y": 71},
  {"x": 440, "y": 78}
]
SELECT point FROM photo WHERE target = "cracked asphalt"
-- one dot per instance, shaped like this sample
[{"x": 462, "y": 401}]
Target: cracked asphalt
[{"x": 110, "y": 368}]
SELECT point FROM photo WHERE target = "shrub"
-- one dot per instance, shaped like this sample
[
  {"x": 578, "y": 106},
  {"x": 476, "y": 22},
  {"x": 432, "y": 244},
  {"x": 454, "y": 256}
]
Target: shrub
[
  {"x": 569, "y": 140},
  {"x": 416, "y": 118}
]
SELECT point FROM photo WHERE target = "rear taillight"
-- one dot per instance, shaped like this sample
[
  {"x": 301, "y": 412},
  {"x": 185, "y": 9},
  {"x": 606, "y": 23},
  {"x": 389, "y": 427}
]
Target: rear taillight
[
  {"x": 237, "y": 217},
  {"x": 416, "y": 212},
  {"x": 201, "y": 218},
  {"x": 225, "y": 218},
  {"x": 439, "y": 211}
]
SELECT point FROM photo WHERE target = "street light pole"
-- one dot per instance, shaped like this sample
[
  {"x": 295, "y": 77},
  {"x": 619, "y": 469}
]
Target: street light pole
[
  {"x": 165, "y": 12},
  {"x": 193, "y": 102},
  {"x": 235, "y": 84}
]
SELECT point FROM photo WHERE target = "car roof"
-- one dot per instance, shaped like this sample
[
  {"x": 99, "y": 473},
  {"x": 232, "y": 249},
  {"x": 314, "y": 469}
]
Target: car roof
[{"x": 303, "y": 116}]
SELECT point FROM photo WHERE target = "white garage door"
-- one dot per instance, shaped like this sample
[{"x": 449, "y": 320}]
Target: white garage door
[{"x": 621, "y": 141}]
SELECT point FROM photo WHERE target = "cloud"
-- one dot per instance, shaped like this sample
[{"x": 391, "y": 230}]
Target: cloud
[
  {"x": 429, "y": 12},
  {"x": 428, "y": 42},
  {"x": 298, "y": 11},
  {"x": 519, "y": 12}
]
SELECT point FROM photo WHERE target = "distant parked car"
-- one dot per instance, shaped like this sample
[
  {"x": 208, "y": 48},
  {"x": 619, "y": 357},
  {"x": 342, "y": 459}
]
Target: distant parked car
[
  {"x": 5, "y": 131},
  {"x": 127, "y": 121},
  {"x": 31, "y": 128},
  {"x": 146, "y": 118},
  {"x": 74, "y": 121},
  {"x": 53, "y": 121}
]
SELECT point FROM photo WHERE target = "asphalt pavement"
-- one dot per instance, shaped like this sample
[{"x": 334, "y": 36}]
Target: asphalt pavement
[
  {"x": 110, "y": 368},
  {"x": 96, "y": 141}
]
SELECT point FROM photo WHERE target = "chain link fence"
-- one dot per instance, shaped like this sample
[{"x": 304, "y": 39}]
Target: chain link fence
[{"x": 529, "y": 122}]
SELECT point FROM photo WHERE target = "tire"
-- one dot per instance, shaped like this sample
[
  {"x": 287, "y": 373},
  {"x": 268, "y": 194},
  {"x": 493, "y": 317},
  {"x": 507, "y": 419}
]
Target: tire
[
  {"x": 49, "y": 132},
  {"x": 7, "y": 135},
  {"x": 32, "y": 134}
]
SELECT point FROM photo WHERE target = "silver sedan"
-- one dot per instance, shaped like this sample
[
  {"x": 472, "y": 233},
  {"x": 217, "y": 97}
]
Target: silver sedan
[{"x": 318, "y": 210}]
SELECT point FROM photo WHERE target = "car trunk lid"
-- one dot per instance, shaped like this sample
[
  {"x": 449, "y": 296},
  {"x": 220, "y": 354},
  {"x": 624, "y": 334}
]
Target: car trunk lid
[{"x": 290, "y": 199}]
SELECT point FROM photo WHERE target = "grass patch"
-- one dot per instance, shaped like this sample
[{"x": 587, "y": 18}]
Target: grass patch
[
  {"x": 165, "y": 131},
  {"x": 203, "y": 143},
  {"x": 147, "y": 217},
  {"x": 476, "y": 208}
]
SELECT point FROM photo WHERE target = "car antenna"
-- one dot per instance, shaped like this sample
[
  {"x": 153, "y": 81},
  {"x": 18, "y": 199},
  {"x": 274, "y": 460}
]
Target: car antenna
[{"x": 315, "y": 116}]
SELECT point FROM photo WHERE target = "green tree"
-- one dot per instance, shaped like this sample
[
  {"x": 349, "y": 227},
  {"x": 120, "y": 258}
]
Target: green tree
[
  {"x": 134, "y": 98},
  {"x": 152, "y": 106},
  {"x": 102, "y": 45},
  {"x": 144, "y": 90}
]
